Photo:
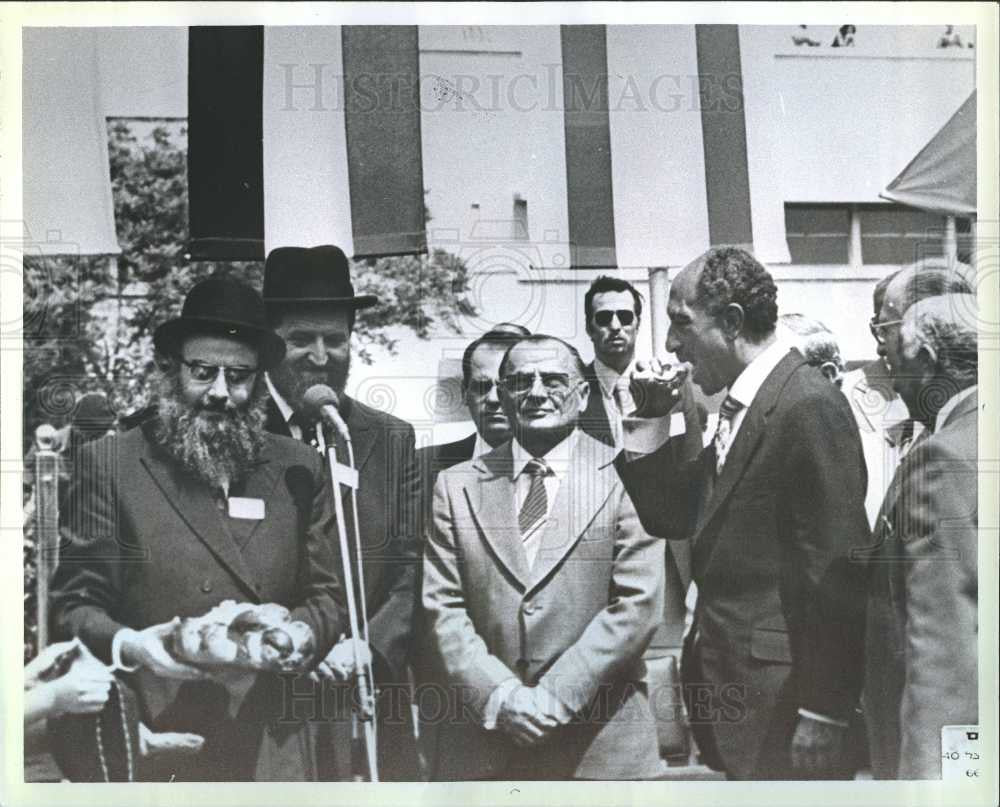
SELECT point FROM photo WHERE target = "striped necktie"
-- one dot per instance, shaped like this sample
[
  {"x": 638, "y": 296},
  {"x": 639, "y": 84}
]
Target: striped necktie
[
  {"x": 723, "y": 432},
  {"x": 536, "y": 502}
]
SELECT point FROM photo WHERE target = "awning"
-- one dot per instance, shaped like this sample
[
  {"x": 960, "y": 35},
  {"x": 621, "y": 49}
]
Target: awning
[{"x": 942, "y": 177}]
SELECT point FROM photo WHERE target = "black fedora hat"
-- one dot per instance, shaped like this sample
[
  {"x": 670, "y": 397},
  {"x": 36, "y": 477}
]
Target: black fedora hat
[
  {"x": 224, "y": 306},
  {"x": 311, "y": 274}
]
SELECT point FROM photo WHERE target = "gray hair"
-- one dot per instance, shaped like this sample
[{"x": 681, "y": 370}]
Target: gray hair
[
  {"x": 931, "y": 277},
  {"x": 946, "y": 324}
]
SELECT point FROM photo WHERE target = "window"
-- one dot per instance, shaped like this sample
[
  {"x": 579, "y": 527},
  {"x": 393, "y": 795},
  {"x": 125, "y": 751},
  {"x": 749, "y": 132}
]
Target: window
[
  {"x": 818, "y": 234},
  {"x": 864, "y": 234},
  {"x": 891, "y": 234}
]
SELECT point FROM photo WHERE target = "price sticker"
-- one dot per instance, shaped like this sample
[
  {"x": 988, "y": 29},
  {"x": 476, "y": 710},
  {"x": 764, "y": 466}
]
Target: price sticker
[{"x": 961, "y": 754}]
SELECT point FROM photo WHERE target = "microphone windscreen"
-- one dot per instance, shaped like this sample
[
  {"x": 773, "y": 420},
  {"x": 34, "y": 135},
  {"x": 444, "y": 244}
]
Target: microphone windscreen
[{"x": 316, "y": 397}]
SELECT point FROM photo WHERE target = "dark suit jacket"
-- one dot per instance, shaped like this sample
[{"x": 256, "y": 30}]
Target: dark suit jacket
[
  {"x": 388, "y": 501},
  {"x": 576, "y": 622},
  {"x": 431, "y": 460},
  {"x": 780, "y": 611},
  {"x": 145, "y": 542},
  {"x": 921, "y": 654}
]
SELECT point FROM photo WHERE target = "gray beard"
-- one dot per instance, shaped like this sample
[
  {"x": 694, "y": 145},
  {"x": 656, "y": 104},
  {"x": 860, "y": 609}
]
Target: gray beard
[{"x": 218, "y": 446}]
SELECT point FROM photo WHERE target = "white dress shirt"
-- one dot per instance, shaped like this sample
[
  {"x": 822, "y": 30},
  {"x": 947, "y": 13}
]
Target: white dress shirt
[{"x": 557, "y": 461}]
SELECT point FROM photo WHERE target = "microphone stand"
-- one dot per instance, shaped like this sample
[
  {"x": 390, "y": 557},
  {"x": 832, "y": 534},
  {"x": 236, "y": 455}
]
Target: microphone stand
[{"x": 364, "y": 674}]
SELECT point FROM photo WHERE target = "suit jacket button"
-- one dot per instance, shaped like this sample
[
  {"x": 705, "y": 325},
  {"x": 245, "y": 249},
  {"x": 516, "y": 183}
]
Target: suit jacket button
[
  {"x": 206, "y": 586},
  {"x": 528, "y": 608}
]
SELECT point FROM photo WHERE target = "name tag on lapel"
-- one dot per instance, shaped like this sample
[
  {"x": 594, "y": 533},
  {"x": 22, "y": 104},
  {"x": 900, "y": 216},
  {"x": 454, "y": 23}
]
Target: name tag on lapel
[{"x": 252, "y": 509}]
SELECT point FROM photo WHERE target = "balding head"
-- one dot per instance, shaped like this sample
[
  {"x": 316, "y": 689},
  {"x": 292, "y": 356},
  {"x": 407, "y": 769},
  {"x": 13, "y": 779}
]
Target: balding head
[{"x": 929, "y": 278}]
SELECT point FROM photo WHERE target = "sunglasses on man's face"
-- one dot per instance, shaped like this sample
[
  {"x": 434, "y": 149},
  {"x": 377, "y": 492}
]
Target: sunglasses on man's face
[
  {"x": 204, "y": 373},
  {"x": 603, "y": 318}
]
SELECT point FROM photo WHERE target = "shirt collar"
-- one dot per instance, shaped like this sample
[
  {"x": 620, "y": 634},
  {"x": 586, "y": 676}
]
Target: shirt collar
[
  {"x": 607, "y": 377},
  {"x": 286, "y": 411},
  {"x": 481, "y": 446},
  {"x": 748, "y": 383},
  {"x": 949, "y": 407},
  {"x": 557, "y": 458}
]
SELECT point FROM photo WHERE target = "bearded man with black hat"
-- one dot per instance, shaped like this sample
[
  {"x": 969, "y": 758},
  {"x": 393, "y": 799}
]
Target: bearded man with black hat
[
  {"x": 311, "y": 303},
  {"x": 197, "y": 505}
]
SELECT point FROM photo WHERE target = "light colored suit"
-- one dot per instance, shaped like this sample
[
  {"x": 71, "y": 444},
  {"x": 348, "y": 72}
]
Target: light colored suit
[
  {"x": 921, "y": 649},
  {"x": 576, "y": 622}
]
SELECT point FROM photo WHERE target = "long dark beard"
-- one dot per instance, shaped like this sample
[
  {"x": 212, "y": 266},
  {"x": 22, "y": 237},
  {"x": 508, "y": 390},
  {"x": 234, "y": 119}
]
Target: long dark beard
[
  {"x": 292, "y": 380},
  {"x": 218, "y": 445}
]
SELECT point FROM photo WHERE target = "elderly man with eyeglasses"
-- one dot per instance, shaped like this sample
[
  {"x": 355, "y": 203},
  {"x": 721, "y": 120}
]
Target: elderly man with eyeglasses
[
  {"x": 542, "y": 591},
  {"x": 197, "y": 505}
]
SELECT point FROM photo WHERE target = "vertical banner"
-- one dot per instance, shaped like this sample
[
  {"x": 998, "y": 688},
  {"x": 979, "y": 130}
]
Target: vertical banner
[
  {"x": 382, "y": 119},
  {"x": 67, "y": 191},
  {"x": 588, "y": 147},
  {"x": 723, "y": 126},
  {"x": 225, "y": 163},
  {"x": 307, "y": 200}
]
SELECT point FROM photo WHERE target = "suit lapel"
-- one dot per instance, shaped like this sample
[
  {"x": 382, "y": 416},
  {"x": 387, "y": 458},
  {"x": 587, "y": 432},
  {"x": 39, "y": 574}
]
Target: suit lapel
[
  {"x": 262, "y": 485},
  {"x": 363, "y": 433},
  {"x": 594, "y": 420},
  {"x": 195, "y": 504},
  {"x": 491, "y": 499},
  {"x": 748, "y": 438},
  {"x": 274, "y": 421},
  {"x": 589, "y": 481}
]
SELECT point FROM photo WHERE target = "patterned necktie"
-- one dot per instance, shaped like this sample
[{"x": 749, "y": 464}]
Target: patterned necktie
[
  {"x": 535, "y": 503},
  {"x": 723, "y": 432}
]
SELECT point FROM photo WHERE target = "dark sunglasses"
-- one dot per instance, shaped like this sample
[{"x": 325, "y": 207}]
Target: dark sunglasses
[
  {"x": 481, "y": 387},
  {"x": 521, "y": 383},
  {"x": 603, "y": 318},
  {"x": 207, "y": 373}
]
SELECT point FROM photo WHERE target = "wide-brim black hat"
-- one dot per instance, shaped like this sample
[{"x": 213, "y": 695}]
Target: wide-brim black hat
[
  {"x": 311, "y": 275},
  {"x": 226, "y": 307}
]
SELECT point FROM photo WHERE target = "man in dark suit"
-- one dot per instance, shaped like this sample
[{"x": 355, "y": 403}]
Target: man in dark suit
[
  {"x": 541, "y": 591},
  {"x": 773, "y": 508},
  {"x": 311, "y": 304},
  {"x": 196, "y": 506},
  {"x": 921, "y": 660},
  {"x": 480, "y": 366}
]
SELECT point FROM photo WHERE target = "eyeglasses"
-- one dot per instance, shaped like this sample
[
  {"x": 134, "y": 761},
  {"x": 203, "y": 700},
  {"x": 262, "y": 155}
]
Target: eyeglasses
[
  {"x": 205, "y": 373},
  {"x": 481, "y": 387},
  {"x": 878, "y": 328},
  {"x": 522, "y": 383},
  {"x": 603, "y": 318}
]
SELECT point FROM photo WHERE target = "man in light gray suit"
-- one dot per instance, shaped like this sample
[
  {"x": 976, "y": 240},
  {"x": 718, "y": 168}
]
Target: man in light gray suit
[{"x": 541, "y": 591}]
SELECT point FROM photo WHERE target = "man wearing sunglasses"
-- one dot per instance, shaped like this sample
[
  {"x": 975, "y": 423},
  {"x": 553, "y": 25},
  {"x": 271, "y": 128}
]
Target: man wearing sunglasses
[
  {"x": 196, "y": 505},
  {"x": 541, "y": 592},
  {"x": 613, "y": 308},
  {"x": 481, "y": 395}
]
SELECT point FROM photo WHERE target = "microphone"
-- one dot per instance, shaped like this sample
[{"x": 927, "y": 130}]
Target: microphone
[{"x": 320, "y": 404}]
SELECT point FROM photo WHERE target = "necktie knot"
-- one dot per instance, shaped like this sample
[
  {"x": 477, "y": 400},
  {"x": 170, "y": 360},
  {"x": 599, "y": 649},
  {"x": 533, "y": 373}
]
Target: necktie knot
[
  {"x": 536, "y": 468},
  {"x": 730, "y": 406},
  {"x": 723, "y": 431}
]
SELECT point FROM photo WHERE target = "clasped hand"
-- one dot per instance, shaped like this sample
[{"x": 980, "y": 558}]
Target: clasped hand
[{"x": 530, "y": 714}]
